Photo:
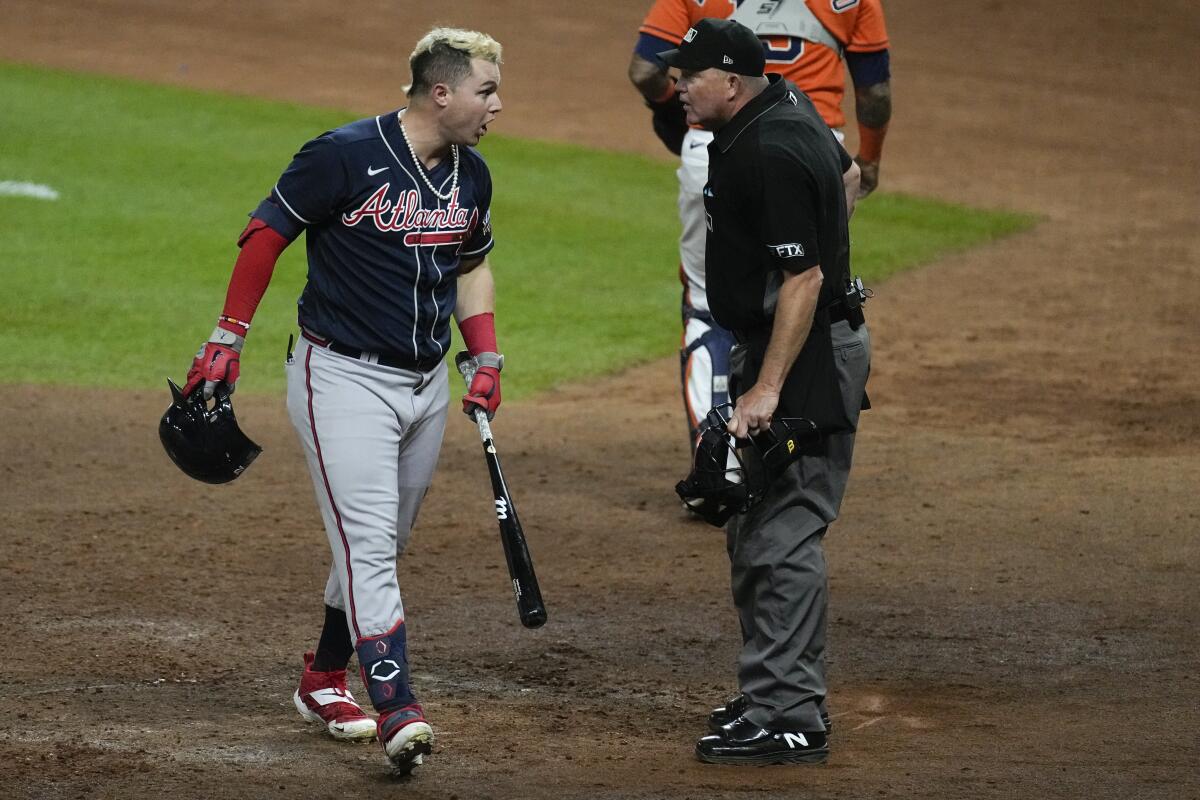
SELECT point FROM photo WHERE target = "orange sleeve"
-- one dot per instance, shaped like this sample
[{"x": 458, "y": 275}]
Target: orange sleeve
[
  {"x": 870, "y": 30},
  {"x": 667, "y": 19}
]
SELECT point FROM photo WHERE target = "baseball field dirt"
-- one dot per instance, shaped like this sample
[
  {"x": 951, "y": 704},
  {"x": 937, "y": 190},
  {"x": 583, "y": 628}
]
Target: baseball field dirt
[{"x": 1014, "y": 579}]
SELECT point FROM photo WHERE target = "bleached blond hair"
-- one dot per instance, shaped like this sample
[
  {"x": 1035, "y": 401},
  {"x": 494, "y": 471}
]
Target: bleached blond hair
[{"x": 444, "y": 56}]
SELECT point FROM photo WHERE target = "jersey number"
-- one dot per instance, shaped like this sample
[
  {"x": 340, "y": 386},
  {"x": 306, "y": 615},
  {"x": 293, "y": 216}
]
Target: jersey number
[
  {"x": 770, "y": 5},
  {"x": 792, "y": 49},
  {"x": 789, "y": 54},
  {"x": 785, "y": 49}
]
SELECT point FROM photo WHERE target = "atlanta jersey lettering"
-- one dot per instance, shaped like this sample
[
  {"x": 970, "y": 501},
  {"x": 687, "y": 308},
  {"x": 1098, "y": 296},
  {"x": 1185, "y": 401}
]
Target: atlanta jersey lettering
[
  {"x": 815, "y": 68},
  {"x": 383, "y": 250}
]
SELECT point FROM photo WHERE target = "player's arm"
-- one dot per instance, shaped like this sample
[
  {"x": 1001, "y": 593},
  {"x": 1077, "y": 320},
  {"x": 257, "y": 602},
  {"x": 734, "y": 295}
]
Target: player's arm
[
  {"x": 869, "y": 63},
  {"x": 306, "y": 193},
  {"x": 219, "y": 359},
  {"x": 649, "y": 75},
  {"x": 662, "y": 29},
  {"x": 476, "y": 289},
  {"x": 873, "y": 110},
  {"x": 475, "y": 312}
]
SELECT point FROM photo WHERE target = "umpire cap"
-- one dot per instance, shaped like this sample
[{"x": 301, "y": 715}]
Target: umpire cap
[{"x": 718, "y": 44}]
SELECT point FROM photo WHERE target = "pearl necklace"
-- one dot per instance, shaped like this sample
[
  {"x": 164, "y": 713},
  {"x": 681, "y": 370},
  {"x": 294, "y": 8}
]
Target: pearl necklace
[{"x": 421, "y": 167}]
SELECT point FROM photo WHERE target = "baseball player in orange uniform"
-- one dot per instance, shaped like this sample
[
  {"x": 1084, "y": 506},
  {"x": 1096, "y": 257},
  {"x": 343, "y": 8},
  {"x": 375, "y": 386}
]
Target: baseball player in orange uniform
[{"x": 806, "y": 41}]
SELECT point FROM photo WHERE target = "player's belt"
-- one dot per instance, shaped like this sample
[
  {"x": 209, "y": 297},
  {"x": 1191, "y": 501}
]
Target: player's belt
[{"x": 394, "y": 360}]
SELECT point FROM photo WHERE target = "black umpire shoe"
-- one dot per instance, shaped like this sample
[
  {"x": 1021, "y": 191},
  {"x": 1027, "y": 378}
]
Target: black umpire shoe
[
  {"x": 737, "y": 706},
  {"x": 743, "y": 742}
]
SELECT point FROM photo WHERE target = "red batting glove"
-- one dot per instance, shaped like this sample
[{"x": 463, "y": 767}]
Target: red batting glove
[
  {"x": 214, "y": 363},
  {"x": 484, "y": 392}
]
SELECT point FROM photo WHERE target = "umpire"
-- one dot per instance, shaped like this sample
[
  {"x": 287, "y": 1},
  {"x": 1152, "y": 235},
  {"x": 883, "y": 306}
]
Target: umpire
[{"x": 778, "y": 201}]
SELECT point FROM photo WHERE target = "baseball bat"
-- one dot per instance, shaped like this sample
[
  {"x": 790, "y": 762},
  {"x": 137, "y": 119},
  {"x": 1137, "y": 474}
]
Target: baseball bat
[{"x": 530, "y": 607}]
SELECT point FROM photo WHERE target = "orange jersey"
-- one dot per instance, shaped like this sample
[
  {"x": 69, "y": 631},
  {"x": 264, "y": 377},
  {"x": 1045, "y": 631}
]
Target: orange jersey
[{"x": 815, "y": 68}]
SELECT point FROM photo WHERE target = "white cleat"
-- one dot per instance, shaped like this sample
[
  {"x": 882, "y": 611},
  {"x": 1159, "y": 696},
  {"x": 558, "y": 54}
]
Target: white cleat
[{"x": 407, "y": 738}]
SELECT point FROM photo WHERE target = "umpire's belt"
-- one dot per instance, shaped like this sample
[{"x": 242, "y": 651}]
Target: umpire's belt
[
  {"x": 394, "y": 360},
  {"x": 838, "y": 312}
]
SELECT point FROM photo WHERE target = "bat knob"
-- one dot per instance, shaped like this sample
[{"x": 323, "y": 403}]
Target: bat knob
[{"x": 534, "y": 619}]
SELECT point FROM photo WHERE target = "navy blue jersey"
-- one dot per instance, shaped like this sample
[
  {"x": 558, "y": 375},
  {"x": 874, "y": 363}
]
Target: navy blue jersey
[{"x": 383, "y": 251}]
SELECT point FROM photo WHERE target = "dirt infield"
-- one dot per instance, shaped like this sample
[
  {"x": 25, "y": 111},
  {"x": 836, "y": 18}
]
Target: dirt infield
[{"x": 1014, "y": 607}]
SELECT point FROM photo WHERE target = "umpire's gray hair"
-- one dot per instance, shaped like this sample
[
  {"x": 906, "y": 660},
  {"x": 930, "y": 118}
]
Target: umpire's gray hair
[{"x": 444, "y": 56}]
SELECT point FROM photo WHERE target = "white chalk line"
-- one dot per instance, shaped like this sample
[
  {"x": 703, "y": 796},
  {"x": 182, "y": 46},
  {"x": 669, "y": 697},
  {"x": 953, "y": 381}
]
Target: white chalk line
[{"x": 37, "y": 191}]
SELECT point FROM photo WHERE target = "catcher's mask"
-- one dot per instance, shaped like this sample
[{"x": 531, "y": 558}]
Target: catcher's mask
[
  {"x": 729, "y": 475},
  {"x": 205, "y": 443}
]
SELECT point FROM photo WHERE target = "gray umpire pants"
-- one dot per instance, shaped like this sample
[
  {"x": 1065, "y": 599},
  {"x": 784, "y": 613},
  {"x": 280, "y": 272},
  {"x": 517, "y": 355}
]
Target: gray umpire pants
[{"x": 777, "y": 567}]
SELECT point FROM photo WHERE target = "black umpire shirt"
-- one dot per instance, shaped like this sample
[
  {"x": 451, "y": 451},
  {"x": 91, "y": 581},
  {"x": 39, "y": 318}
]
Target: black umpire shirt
[{"x": 775, "y": 200}]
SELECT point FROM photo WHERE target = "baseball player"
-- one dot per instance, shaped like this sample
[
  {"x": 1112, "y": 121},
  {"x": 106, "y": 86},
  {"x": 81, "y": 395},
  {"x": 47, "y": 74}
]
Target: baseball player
[
  {"x": 395, "y": 208},
  {"x": 804, "y": 40}
]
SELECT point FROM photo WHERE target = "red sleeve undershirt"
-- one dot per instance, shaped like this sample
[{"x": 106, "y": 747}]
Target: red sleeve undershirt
[
  {"x": 479, "y": 333},
  {"x": 261, "y": 246}
]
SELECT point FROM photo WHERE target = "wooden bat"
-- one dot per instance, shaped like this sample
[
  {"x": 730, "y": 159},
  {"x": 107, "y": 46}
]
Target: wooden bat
[{"x": 530, "y": 607}]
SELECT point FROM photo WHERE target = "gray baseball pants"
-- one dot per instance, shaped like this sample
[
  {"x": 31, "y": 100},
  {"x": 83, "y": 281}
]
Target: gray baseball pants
[{"x": 371, "y": 435}]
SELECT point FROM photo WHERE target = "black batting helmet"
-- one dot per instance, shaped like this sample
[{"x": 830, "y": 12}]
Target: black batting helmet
[
  {"x": 205, "y": 443},
  {"x": 722, "y": 481}
]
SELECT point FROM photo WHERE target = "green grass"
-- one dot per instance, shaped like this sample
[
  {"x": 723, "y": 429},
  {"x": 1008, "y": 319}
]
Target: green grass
[
  {"x": 891, "y": 233},
  {"x": 118, "y": 281}
]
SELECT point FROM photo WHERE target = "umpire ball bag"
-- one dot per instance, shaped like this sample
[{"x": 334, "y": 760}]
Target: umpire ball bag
[{"x": 205, "y": 443}]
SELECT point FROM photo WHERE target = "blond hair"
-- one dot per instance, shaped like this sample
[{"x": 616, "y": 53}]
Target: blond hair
[{"x": 444, "y": 56}]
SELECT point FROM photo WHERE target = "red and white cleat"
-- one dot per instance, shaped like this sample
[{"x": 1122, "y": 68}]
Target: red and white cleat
[
  {"x": 323, "y": 697},
  {"x": 407, "y": 738}
]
